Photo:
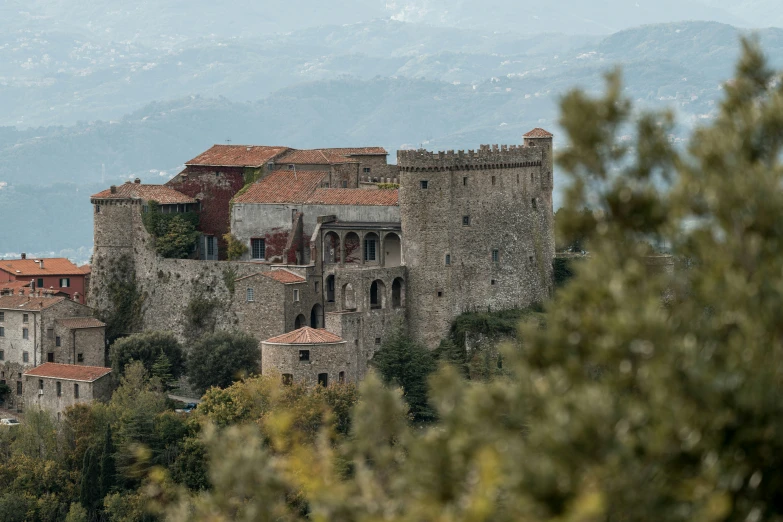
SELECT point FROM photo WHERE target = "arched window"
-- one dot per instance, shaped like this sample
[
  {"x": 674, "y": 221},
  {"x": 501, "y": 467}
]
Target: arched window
[
  {"x": 316, "y": 316},
  {"x": 352, "y": 248},
  {"x": 398, "y": 292},
  {"x": 300, "y": 322},
  {"x": 377, "y": 295},
  {"x": 331, "y": 248},
  {"x": 349, "y": 297}
]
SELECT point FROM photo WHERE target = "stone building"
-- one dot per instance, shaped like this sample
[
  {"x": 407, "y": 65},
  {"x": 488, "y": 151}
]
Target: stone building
[
  {"x": 311, "y": 356},
  {"x": 330, "y": 247},
  {"x": 56, "y": 274},
  {"x": 56, "y": 387},
  {"x": 39, "y": 329}
]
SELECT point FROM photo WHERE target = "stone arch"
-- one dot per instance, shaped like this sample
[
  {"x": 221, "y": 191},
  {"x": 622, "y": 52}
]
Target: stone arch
[
  {"x": 316, "y": 316},
  {"x": 300, "y": 322},
  {"x": 398, "y": 292},
  {"x": 392, "y": 246},
  {"x": 353, "y": 248},
  {"x": 330, "y": 289},
  {"x": 349, "y": 297},
  {"x": 331, "y": 248},
  {"x": 377, "y": 295}
]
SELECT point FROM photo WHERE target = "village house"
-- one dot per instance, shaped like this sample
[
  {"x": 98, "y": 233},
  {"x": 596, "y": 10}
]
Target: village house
[
  {"x": 56, "y": 274},
  {"x": 56, "y": 387},
  {"x": 35, "y": 329}
]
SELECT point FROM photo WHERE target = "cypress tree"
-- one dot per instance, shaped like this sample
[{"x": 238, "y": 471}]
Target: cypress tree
[
  {"x": 108, "y": 470},
  {"x": 90, "y": 487}
]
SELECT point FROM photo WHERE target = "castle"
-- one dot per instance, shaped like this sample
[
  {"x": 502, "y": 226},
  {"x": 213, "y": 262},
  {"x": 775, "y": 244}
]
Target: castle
[{"x": 340, "y": 248}]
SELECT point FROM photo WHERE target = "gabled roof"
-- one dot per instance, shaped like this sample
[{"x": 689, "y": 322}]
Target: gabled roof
[
  {"x": 31, "y": 267},
  {"x": 160, "y": 193},
  {"x": 359, "y": 151},
  {"x": 314, "y": 157},
  {"x": 284, "y": 276},
  {"x": 69, "y": 372},
  {"x": 236, "y": 156},
  {"x": 306, "y": 335},
  {"x": 283, "y": 186},
  {"x": 14, "y": 286},
  {"x": 359, "y": 197},
  {"x": 80, "y": 323},
  {"x": 25, "y": 303},
  {"x": 538, "y": 133}
]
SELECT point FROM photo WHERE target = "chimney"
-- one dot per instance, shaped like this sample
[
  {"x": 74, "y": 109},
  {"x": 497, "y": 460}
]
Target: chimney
[
  {"x": 24, "y": 256},
  {"x": 137, "y": 181},
  {"x": 113, "y": 189},
  {"x": 40, "y": 264}
]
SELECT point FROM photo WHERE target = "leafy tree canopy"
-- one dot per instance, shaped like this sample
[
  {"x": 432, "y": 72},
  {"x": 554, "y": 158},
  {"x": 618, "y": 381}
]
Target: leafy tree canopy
[
  {"x": 148, "y": 348},
  {"x": 222, "y": 358}
]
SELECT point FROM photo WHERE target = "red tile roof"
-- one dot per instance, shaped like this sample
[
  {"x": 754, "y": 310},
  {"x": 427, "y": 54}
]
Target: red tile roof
[
  {"x": 283, "y": 186},
  {"x": 32, "y": 268},
  {"x": 14, "y": 286},
  {"x": 69, "y": 372},
  {"x": 86, "y": 269},
  {"x": 22, "y": 302},
  {"x": 284, "y": 276},
  {"x": 360, "y": 151},
  {"x": 314, "y": 157},
  {"x": 81, "y": 323},
  {"x": 160, "y": 193},
  {"x": 236, "y": 156},
  {"x": 306, "y": 335},
  {"x": 388, "y": 198},
  {"x": 538, "y": 133}
]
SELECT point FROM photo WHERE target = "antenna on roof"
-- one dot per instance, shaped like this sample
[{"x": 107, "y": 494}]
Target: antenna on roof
[{"x": 228, "y": 141}]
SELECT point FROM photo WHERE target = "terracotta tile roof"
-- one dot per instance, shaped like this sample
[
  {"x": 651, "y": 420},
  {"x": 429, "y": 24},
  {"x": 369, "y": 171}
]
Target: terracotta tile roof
[
  {"x": 283, "y": 186},
  {"x": 360, "y": 151},
  {"x": 22, "y": 302},
  {"x": 81, "y": 323},
  {"x": 31, "y": 268},
  {"x": 314, "y": 157},
  {"x": 69, "y": 372},
  {"x": 284, "y": 276},
  {"x": 538, "y": 133},
  {"x": 86, "y": 269},
  {"x": 360, "y": 197},
  {"x": 236, "y": 156},
  {"x": 306, "y": 335},
  {"x": 160, "y": 193},
  {"x": 14, "y": 286}
]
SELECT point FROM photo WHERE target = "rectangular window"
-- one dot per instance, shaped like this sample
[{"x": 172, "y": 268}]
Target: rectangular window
[
  {"x": 2, "y": 331},
  {"x": 57, "y": 341},
  {"x": 25, "y": 333},
  {"x": 25, "y": 318},
  {"x": 50, "y": 357},
  {"x": 97, "y": 209},
  {"x": 26, "y": 357},
  {"x": 531, "y": 177},
  {"x": 531, "y": 260},
  {"x": 304, "y": 355},
  {"x": 2, "y": 317},
  {"x": 2, "y": 355},
  {"x": 65, "y": 282},
  {"x": 40, "y": 384},
  {"x": 493, "y": 180},
  {"x": 40, "y": 283},
  {"x": 75, "y": 391},
  {"x": 59, "y": 389},
  {"x": 50, "y": 333},
  {"x": 440, "y": 293},
  {"x": 377, "y": 340},
  {"x": 259, "y": 248},
  {"x": 424, "y": 184},
  {"x": 534, "y": 204},
  {"x": 250, "y": 296},
  {"x": 369, "y": 250},
  {"x": 465, "y": 221},
  {"x": 465, "y": 181},
  {"x": 345, "y": 184},
  {"x": 19, "y": 387},
  {"x": 323, "y": 379},
  {"x": 79, "y": 357},
  {"x": 495, "y": 256},
  {"x": 210, "y": 245},
  {"x": 366, "y": 170},
  {"x": 492, "y": 282},
  {"x": 341, "y": 378},
  {"x": 291, "y": 167},
  {"x": 448, "y": 259},
  {"x": 288, "y": 379},
  {"x": 296, "y": 296},
  {"x": 316, "y": 287}
]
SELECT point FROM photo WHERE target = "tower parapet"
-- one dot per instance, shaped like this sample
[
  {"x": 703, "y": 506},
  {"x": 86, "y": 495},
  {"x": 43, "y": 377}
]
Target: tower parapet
[{"x": 486, "y": 157}]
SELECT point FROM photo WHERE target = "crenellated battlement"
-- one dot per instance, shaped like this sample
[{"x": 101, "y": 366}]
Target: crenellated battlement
[{"x": 486, "y": 157}]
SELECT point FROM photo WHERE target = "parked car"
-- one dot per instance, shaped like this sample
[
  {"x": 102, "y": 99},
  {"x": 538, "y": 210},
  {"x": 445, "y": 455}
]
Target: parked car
[
  {"x": 9, "y": 422},
  {"x": 189, "y": 407}
]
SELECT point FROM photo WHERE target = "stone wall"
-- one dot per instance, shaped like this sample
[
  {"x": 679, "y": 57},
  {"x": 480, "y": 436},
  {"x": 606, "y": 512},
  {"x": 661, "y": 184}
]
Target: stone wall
[
  {"x": 49, "y": 401},
  {"x": 11, "y": 374},
  {"x": 478, "y": 229},
  {"x": 331, "y": 359}
]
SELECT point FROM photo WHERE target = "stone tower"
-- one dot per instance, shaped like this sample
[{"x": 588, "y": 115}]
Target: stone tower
[{"x": 479, "y": 231}]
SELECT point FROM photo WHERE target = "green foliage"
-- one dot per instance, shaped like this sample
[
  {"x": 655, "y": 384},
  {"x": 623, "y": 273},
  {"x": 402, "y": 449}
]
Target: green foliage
[
  {"x": 230, "y": 279},
  {"x": 200, "y": 312},
  {"x": 124, "y": 315},
  {"x": 90, "y": 487},
  {"x": 37, "y": 436},
  {"x": 175, "y": 234},
  {"x": 5, "y": 390},
  {"x": 405, "y": 363},
  {"x": 388, "y": 186},
  {"x": 573, "y": 240},
  {"x": 14, "y": 507},
  {"x": 235, "y": 249},
  {"x": 148, "y": 348},
  {"x": 563, "y": 270},
  {"x": 77, "y": 513},
  {"x": 108, "y": 476},
  {"x": 221, "y": 358}
]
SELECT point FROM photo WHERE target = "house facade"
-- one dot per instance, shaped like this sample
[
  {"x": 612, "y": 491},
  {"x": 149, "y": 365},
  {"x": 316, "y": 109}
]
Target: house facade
[
  {"x": 55, "y": 387},
  {"x": 57, "y": 275}
]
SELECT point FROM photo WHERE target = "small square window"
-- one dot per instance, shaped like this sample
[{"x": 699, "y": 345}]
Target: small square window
[
  {"x": 296, "y": 296},
  {"x": 304, "y": 355},
  {"x": 288, "y": 379},
  {"x": 493, "y": 282},
  {"x": 50, "y": 357},
  {"x": 424, "y": 184},
  {"x": 291, "y": 167},
  {"x": 465, "y": 221},
  {"x": 79, "y": 357},
  {"x": 65, "y": 282},
  {"x": 448, "y": 259},
  {"x": 495, "y": 255},
  {"x": 367, "y": 170},
  {"x": 377, "y": 340},
  {"x": 25, "y": 318},
  {"x": 250, "y": 296},
  {"x": 345, "y": 184},
  {"x": 440, "y": 293}
]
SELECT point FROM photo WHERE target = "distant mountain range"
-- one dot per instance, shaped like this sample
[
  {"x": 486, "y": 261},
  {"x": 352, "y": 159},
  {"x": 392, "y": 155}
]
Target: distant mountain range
[{"x": 383, "y": 83}]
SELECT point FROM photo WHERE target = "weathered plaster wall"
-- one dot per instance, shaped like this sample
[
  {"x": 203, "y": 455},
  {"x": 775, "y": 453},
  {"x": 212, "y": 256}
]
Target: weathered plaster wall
[
  {"x": 330, "y": 359},
  {"x": 49, "y": 401}
]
